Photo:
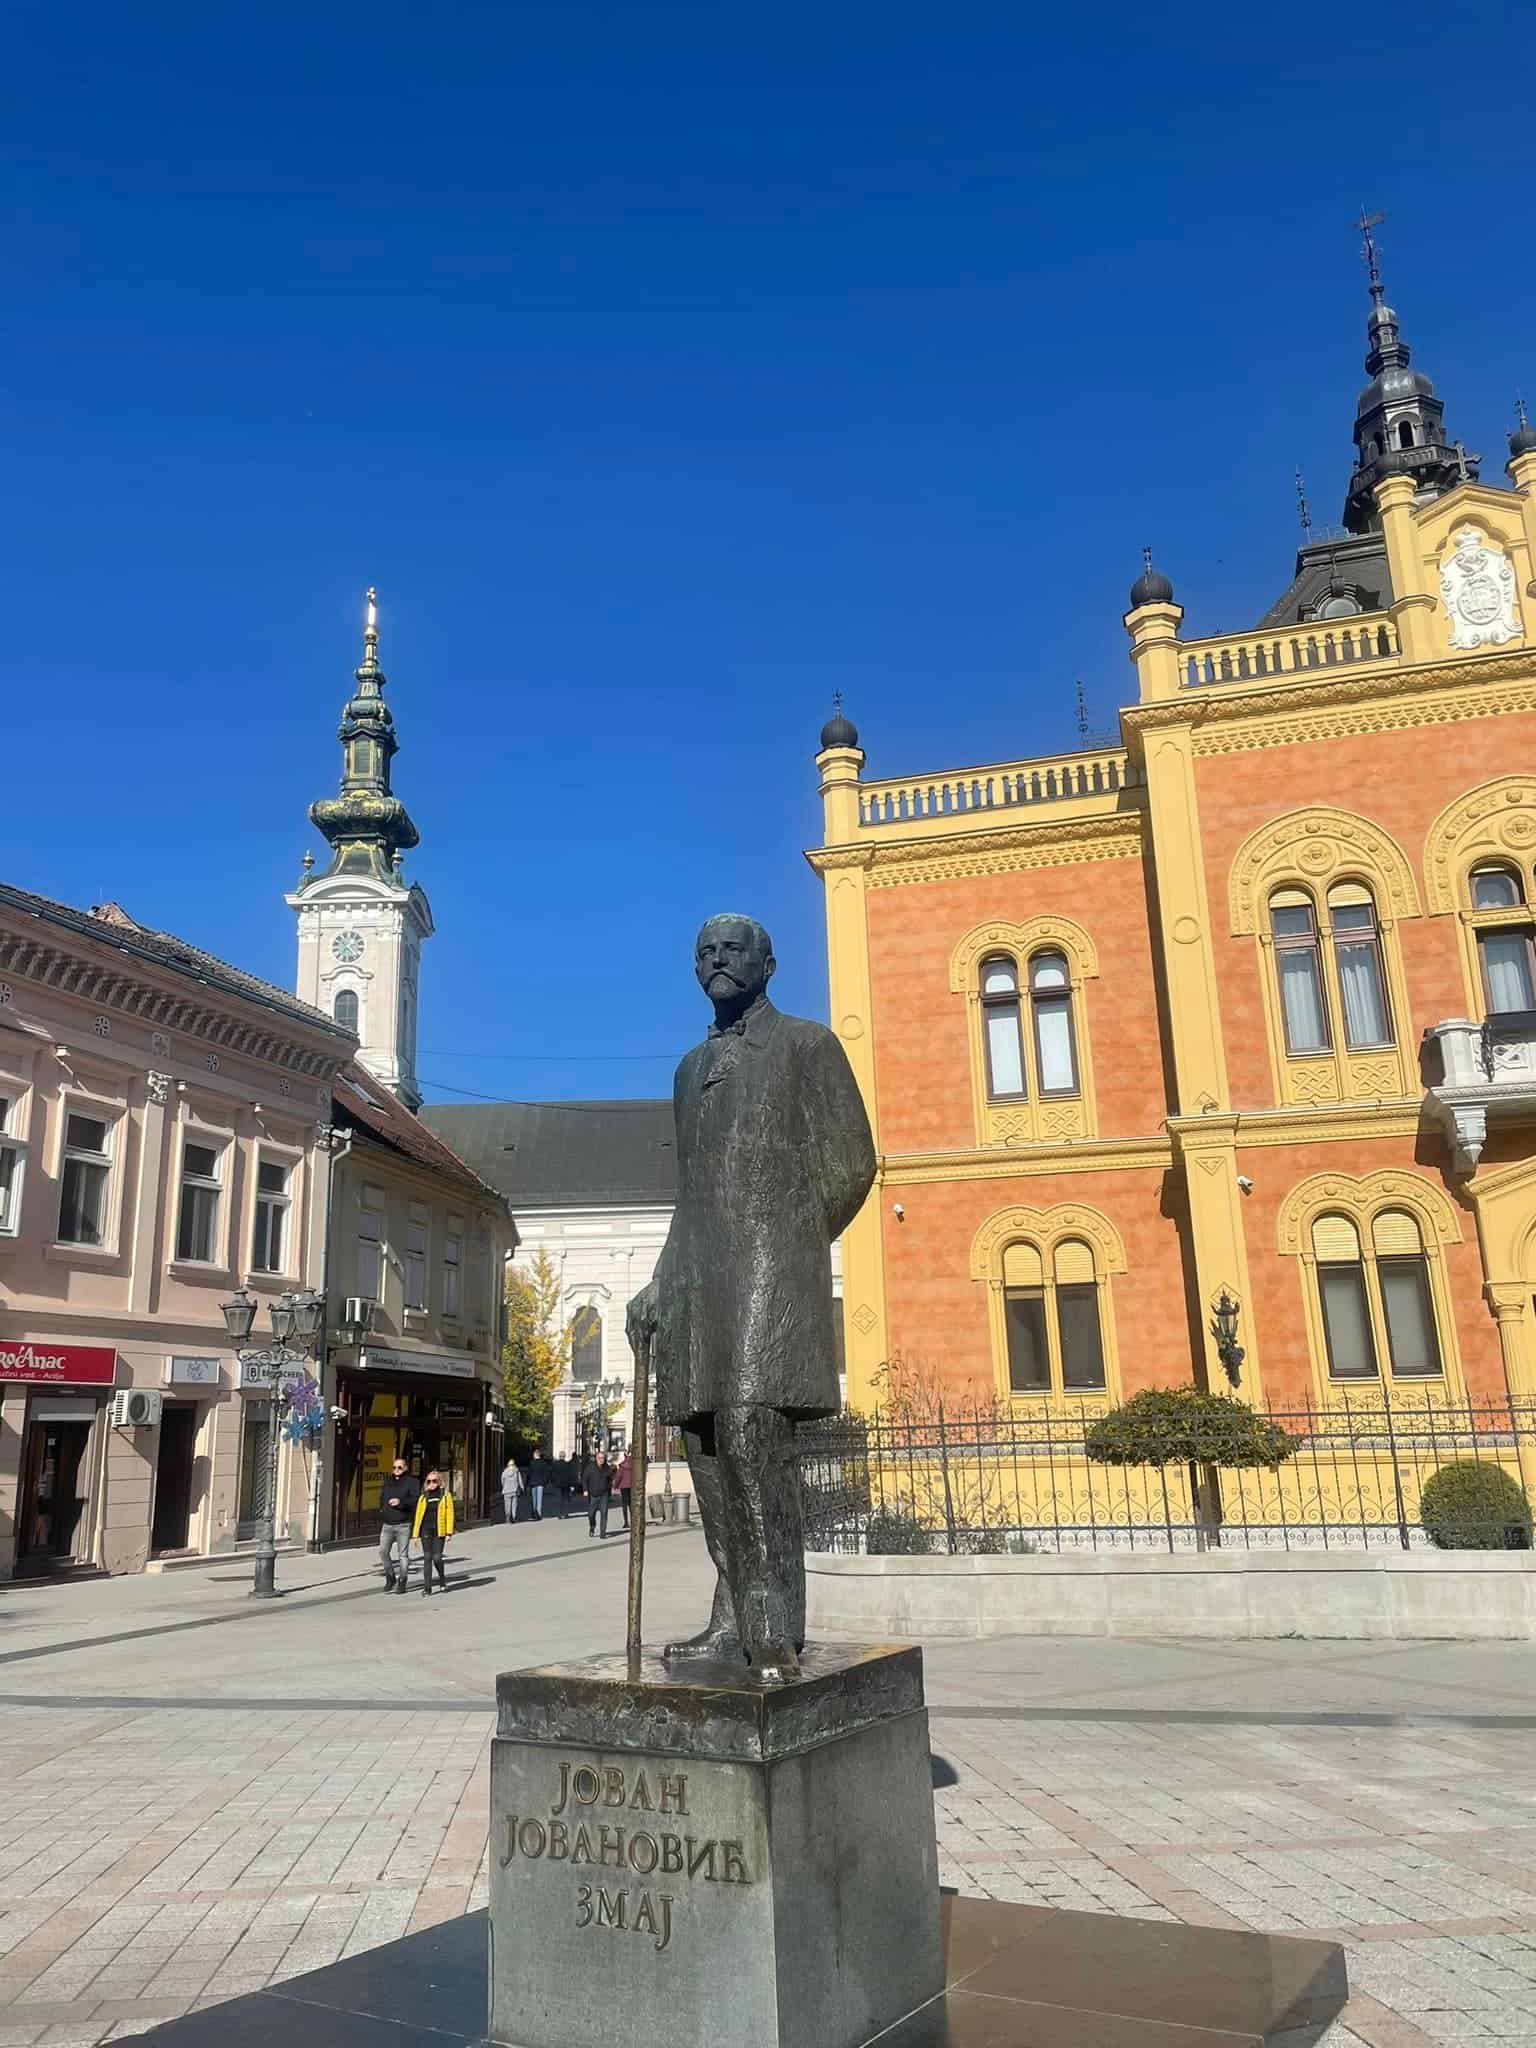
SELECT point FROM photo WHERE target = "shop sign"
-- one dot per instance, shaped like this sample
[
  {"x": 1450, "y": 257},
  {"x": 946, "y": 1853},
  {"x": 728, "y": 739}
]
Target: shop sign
[
  {"x": 260, "y": 1372},
  {"x": 63, "y": 1365},
  {"x": 441, "y": 1363},
  {"x": 192, "y": 1372},
  {"x": 456, "y": 1411}
]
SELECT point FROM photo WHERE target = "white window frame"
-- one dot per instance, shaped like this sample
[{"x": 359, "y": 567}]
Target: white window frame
[
  {"x": 13, "y": 1148},
  {"x": 75, "y": 1102},
  {"x": 285, "y": 1205},
  {"x": 453, "y": 1270},
  {"x": 370, "y": 1210},
  {"x": 217, "y": 1182},
  {"x": 416, "y": 1261}
]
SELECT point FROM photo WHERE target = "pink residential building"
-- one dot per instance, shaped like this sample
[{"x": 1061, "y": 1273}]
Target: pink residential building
[{"x": 164, "y": 1130}]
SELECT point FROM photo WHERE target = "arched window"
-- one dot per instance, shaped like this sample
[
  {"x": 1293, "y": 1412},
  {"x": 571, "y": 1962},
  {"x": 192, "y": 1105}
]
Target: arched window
[
  {"x": 1346, "y": 1312},
  {"x": 1357, "y": 955},
  {"x": 1506, "y": 952},
  {"x": 1405, "y": 435},
  {"x": 1050, "y": 998},
  {"x": 1353, "y": 984},
  {"x": 586, "y": 1345},
  {"x": 344, "y": 1009},
  {"x": 1376, "y": 1297},
  {"x": 1299, "y": 964},
  {"x": 1001, "y": 1027},
  {"x": 1051, "y": 1317},
  {"x": 1402, "y": 1273}
]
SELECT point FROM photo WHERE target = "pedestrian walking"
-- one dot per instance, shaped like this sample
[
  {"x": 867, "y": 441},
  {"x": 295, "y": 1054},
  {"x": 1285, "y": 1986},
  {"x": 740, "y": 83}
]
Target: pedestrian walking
[
  {"x": 397, "y": 1510},
  {"x": 597, "y": 1483},
  {"x": 432, "y": 1527},
  {"x": 511, "y": 1487},
  {"x": 538, "y": 1479},
  {"x": 621, "y": 1479},
  {"x": 569, "y": 1482}
]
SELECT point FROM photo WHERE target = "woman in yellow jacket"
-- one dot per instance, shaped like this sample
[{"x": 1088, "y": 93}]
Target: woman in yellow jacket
[{"x": 433, "y": 1525}]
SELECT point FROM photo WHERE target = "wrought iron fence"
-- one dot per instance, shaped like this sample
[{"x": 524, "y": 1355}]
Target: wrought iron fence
[{"x": 987, "y": 1480}]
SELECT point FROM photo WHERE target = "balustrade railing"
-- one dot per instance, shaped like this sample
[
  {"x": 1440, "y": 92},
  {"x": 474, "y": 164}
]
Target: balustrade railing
[
  {"x": 1255, "y": 657},
  {"x": 1062, "y": 779}
]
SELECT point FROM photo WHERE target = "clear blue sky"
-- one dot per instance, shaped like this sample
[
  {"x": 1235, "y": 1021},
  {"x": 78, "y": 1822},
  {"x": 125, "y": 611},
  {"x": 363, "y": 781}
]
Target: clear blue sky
[{"x": 668, "y": 367}]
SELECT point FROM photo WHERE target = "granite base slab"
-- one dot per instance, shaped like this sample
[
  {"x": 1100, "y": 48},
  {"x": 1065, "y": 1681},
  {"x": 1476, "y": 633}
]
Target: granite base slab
[
  {"x": 729, "y": 1863},
  {"x": 1016, "y": 1977}
]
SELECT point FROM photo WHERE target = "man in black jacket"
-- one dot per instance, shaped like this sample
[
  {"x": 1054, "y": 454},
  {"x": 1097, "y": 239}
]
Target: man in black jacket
[
  {"x": 397, "y": 1510},
  {"x": 597, "y": 1481}
]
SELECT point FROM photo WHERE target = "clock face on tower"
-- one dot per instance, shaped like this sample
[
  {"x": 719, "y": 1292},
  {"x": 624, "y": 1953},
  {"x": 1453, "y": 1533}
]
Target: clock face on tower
[{"x": 347, "y": 946}]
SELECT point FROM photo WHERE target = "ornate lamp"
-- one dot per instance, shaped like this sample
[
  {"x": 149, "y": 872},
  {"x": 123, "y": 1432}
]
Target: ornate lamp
[
  {"x": 310, "y": 1314},
  {"x": 239, "y": 1312},
  {"x": 1225, "y": 1312},
  {"x": 285, "y": 1316}
]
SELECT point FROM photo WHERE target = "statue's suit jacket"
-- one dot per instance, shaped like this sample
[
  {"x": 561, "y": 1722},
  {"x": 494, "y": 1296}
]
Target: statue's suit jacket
[{"x": 774, "y": 1159}]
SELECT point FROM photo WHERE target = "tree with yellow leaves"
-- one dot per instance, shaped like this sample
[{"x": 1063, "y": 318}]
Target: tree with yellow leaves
[{"x": 537, "y": 1348}]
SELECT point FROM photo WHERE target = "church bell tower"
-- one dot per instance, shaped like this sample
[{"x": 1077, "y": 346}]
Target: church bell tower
[{"x": 361, "y": 924}]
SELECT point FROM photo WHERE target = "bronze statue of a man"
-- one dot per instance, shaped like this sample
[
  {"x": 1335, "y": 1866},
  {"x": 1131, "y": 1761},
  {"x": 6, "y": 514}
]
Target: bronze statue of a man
[{"x": 774, "y": 1159}]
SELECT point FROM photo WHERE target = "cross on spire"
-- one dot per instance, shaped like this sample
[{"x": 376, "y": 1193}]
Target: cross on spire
[{"x": 1363, "y": 227}]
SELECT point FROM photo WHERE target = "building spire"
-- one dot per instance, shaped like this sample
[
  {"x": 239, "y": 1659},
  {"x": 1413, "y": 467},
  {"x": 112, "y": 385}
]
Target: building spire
[
  {"x": 366, "y": 823},
  {"x": 371, "y": 629},
  {"x": 1399, "y": 422}
]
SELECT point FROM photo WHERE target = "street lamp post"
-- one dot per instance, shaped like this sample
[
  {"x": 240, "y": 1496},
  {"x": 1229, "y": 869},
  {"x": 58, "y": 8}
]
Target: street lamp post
[
  {"x": 296, "y": 1324},
  {"x": 1224, "y": 1330}
]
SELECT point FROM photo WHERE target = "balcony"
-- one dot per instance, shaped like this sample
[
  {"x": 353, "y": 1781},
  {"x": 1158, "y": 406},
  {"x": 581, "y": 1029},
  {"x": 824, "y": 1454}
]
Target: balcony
[
  {"x": 1474, "y": 1072},
  {"x": 1361, "y": 641},
  {"x": 1083, "y": 784}
]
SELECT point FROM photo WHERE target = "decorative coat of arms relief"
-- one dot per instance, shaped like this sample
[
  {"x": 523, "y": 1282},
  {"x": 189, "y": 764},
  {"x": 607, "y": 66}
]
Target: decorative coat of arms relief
[{"x": 1477, "y": 585}]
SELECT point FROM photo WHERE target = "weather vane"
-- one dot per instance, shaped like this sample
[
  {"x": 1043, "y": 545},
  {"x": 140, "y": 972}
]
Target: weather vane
[
  {"x": 1363, "y": 227},
  {"x": 1303, "y": 509}
]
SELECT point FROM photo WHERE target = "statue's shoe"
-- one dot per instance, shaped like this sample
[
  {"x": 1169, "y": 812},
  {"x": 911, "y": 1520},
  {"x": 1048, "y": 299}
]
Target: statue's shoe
[
  {"x": 720, "y": 1645},
  {"x": 775, "y": 1663}
]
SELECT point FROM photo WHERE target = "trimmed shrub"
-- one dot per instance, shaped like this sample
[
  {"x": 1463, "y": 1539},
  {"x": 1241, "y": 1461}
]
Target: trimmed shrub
[
  {"x": 1182, "y": 1425},
  {"x": 979, "y": 1543},
  {"x": 1473, "y": 1506},
  {"x": 896, "y": 1532}
]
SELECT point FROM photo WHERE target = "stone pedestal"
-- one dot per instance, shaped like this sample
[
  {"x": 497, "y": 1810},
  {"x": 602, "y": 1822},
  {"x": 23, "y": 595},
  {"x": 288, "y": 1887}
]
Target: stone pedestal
[{"x": 692, "y": 1858}]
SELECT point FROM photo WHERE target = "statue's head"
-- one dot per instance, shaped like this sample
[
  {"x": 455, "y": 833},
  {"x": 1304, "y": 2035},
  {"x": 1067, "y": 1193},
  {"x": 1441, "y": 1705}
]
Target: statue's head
[{"x": 733, "y": 959}]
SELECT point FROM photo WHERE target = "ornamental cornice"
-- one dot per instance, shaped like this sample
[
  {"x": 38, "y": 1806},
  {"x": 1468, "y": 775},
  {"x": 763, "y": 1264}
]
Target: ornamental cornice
[
  {"x": 1319, "y": 845},
  {"x": 1323, "y": 1126},
  {"x": 1361, "y": 1197},
  {"x": 109, "y": 988},
  {"x": 1007, "y": 850},
  {"x": 824, "y": 858},
  {"x": 1021, "y": 939},
  {"x": 1013, "y": 1162},
  {"x": 1046, "y": 1228},
  {"x": 1497, "y": 818},
  {"x": 1335, "y": 703}
]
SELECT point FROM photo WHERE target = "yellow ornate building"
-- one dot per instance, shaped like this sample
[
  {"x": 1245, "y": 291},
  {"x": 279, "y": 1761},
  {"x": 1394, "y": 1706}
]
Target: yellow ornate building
[{"x": 1244, "y": 1005}]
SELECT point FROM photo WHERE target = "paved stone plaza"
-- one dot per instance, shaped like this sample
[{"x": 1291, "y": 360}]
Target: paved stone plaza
[{"x": 200, "y": 1795}]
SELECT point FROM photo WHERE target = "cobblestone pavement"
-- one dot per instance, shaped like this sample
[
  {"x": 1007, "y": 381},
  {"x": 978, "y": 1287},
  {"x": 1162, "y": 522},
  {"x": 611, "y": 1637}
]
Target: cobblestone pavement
[{"x": 200, "y": 1794}]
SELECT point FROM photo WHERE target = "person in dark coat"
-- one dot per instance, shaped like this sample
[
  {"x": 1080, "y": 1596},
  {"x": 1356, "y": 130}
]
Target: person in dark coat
[
  {"x": 538, "y": 1479},
  {"x": 774, "y": 1160},
  {"x": 597, "y": 1484}
]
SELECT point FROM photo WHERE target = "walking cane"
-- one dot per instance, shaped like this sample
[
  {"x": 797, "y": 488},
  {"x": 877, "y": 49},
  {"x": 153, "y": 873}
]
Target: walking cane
[{"x": 637, "y": 1462}]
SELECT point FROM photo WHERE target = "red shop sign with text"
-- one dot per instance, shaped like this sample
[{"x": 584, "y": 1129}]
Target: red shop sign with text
[{"x": 66, "y": 1365}]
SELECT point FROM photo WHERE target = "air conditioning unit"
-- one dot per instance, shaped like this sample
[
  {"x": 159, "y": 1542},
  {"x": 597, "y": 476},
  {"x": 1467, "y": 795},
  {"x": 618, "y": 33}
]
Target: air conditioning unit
[
  {"x": 136, "y": 1408},
  {"x": 358, "y": 1314}
]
